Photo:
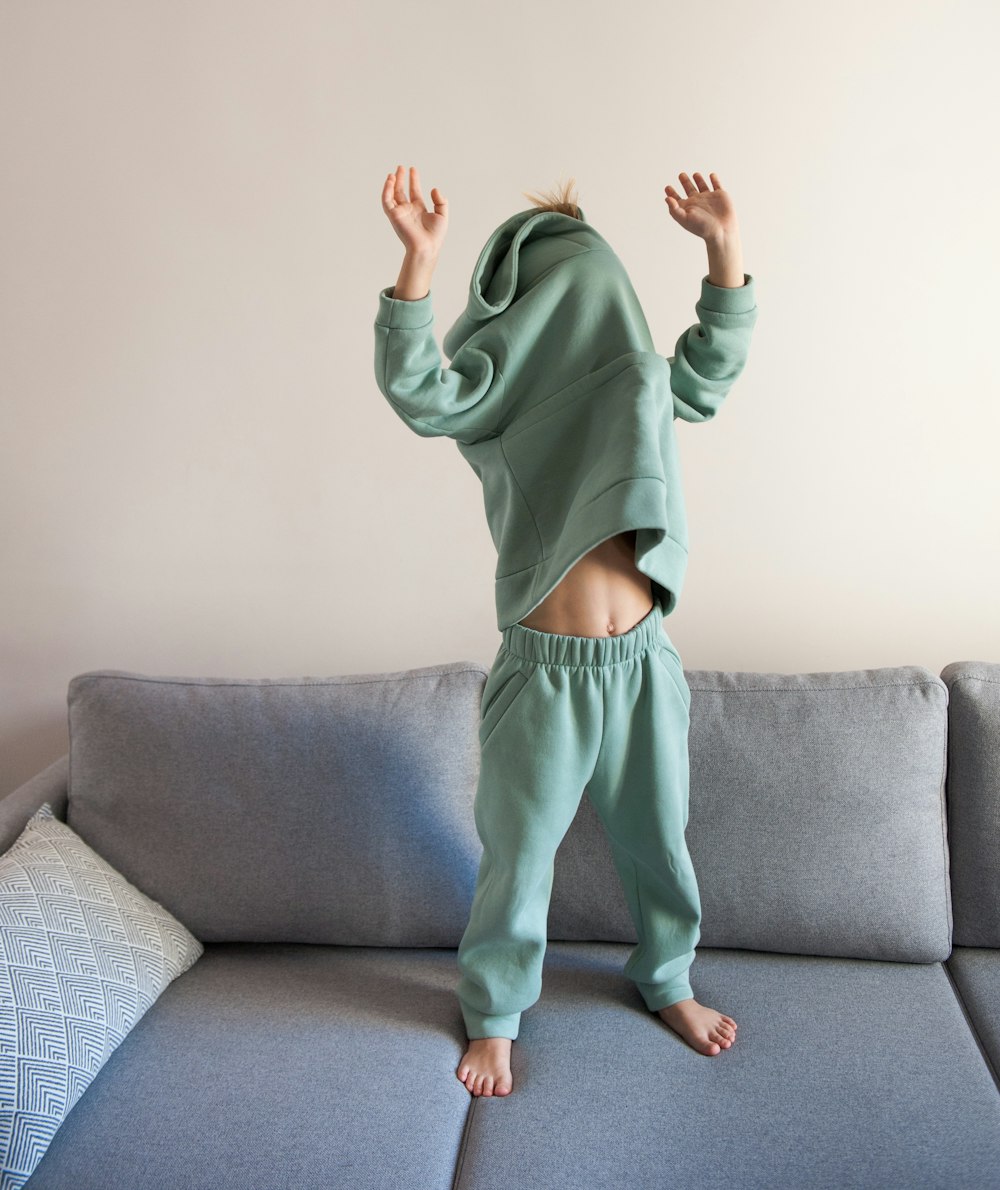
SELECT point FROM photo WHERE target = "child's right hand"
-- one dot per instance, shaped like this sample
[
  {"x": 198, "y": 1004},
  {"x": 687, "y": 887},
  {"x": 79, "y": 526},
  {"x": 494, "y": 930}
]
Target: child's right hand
[{"x": 421, "y": 231}]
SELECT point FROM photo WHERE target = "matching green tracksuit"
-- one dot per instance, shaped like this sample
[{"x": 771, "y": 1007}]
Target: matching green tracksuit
[{"x": 558, "y": 400}]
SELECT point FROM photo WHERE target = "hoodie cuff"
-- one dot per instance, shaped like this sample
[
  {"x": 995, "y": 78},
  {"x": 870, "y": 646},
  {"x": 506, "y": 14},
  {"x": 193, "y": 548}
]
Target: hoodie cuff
[
  {"x": 397, "y": 312},
  {"x": 738, "y": 300}
]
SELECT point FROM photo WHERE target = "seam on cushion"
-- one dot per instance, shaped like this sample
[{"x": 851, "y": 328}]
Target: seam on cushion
[
  {"x": 280, "y": 682},
  {"x": 479, "y": 669},
  {"x": 943, "y": 804},
  {"x": 972, "y": 1028},
  {"x": 809, "y": 689},
  {"x": 464, "y": 1143}
]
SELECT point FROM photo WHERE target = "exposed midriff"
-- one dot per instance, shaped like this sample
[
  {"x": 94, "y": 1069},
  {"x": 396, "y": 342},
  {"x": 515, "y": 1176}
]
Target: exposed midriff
[{"x": 602, "y": 594}]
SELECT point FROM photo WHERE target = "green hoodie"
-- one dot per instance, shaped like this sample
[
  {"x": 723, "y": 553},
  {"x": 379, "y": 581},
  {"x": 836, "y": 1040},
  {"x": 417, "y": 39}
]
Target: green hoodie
[{"x": 558, "y": 400}]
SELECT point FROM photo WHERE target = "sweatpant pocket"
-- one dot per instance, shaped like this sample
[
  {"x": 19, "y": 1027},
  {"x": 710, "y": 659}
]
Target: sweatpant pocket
[
  {"x": 504, "y": 684},
  {"x": 670, "y": 659}
]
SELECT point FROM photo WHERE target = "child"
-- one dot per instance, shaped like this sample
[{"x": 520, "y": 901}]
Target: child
[{"x": 558, "y": 400}]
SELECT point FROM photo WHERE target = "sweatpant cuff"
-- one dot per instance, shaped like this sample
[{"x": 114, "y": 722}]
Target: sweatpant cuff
[
  {"x": 479, "y": 1025},
  {"x": 667, "y": 994}
]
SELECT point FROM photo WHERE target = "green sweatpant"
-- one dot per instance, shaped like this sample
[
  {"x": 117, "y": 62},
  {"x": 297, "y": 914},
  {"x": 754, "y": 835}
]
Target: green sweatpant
[{"x": 560, "y": 714}]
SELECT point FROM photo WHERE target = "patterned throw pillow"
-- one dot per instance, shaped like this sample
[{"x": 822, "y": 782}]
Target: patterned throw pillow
[{"x": 83, "y": 954}]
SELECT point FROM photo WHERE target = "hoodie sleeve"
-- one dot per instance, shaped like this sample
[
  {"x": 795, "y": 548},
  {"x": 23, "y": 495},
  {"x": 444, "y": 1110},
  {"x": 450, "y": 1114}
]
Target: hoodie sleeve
[
  {"x": 711, "y": 354},
  {"x": 462, "y": 401}
]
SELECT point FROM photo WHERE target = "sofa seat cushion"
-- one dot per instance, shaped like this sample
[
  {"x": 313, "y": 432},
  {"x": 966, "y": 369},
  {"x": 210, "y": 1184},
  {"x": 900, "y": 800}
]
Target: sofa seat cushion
[
  {"x": 976, "y": 971},
  {"x": 283, "y": 1064},
  {"x": 845, "y": 1072}
]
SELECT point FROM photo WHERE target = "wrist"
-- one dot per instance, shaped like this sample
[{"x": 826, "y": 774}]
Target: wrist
[
  {"x": 415, "y": 275},
  {"x": 424, "y": 257},
  {"x": 723, "y": 241},
  {"x": 725, "y": 260}
]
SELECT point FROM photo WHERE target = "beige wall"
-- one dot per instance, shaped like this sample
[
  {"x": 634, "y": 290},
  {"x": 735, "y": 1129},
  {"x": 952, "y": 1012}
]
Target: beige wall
[{"x": 199, "y": 475}]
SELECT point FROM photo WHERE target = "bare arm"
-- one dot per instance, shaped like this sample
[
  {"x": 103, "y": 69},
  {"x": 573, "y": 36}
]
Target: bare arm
[
  {"x": 415, "y": 274},
  {"x": 725, "y": 259}
]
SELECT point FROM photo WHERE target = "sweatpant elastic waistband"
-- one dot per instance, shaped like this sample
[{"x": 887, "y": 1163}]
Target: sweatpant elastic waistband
[{"x": 552, "y": 648}]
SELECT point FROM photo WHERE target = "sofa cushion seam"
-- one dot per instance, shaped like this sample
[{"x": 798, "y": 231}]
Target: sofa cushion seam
[
  {"x": 464, "y": 1144},
  {"x": 293, "y": 682},
  {"x": 812, "y": 689},
  {"x": 972, "y": 1027}
]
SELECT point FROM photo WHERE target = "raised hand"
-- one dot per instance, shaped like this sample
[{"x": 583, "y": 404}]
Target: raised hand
[
  {"x": 421, "y": 231},
  {"x": 706, "y": 212}
]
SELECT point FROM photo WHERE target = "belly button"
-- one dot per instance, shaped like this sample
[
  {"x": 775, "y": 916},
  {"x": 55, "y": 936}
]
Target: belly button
[{"x": 611, "y": 628}]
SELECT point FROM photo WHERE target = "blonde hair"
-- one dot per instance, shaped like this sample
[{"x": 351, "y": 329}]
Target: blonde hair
[{"x": 560, "y": 199}]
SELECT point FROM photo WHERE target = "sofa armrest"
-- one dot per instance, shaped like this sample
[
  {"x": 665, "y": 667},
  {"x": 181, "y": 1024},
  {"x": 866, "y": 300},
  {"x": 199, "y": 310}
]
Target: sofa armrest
[{"x": 50, "y": 785}]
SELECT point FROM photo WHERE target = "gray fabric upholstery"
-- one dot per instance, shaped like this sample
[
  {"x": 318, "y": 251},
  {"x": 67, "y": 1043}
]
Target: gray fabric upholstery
[
  {"x": 324, "y": 810},
  {"x": 846, "y": 1073},
  {"x": 974, "y": 839},
  {"x": 974, "y": 800},
  {"x": 976, "y": 971},
  {"x": 334, "y": 1067},
  {"x": 247, "y": 807},
  {"x": 18, "y": 806},
  {"x": 817, "y": 820},
  {"x": 274, "y": 1066},
  {"x": 340, "y": 809}
]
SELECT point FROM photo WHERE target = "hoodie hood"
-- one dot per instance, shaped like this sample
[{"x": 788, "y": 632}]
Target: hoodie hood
[{"x": 499, "y": 278}]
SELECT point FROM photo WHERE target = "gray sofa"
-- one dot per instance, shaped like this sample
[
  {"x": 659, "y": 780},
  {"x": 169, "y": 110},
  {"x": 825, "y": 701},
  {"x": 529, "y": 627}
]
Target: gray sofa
[{"x": 316, "y": 836}]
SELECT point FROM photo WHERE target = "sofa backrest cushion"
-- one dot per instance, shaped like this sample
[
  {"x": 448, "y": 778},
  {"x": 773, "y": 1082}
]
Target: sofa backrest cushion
[
  {"x": 340, "y": 810},
  {"x": 816, "y": 823},
  {"x": 326, "y": 810},
  {"x": 974, "y": 799}
]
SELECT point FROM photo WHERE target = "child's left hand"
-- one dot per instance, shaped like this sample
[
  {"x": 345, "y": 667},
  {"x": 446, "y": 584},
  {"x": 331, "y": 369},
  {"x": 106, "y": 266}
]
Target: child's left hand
[{"x": 705, "y": 212}]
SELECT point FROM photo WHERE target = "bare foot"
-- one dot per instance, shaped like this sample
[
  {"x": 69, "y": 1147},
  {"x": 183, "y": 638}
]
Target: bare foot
[
  {"x": 485, "y": 1066},
  {"x": 705, "y": 1030}
]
